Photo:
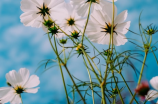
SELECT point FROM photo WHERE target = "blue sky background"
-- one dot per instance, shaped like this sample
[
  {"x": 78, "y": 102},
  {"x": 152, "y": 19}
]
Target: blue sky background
[{"x": 22, "y": 46}]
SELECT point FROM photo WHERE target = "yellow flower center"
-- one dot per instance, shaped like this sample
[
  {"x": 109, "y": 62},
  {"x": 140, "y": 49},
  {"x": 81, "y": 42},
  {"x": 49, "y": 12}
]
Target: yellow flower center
[
  {"x": 71, "y": 21},
  {"x": 19, "y": 89}
]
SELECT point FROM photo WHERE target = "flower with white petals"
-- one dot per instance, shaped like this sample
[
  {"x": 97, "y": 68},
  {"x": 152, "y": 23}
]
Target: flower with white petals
[
  {"x": 83, "y": 5},
  {"x": 37, "y": 10},
  {"x": 153, "y": 94},
  {"x": 69, "y": 22},
  {"x": 99, "y": 27},
  {"x": 19, "y": 82}
]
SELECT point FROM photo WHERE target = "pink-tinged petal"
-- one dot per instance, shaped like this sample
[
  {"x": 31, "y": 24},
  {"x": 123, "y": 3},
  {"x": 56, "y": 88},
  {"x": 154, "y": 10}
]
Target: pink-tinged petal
[
  {"x": 29, "y": 18},
  {"x": 98, "y": 18},
  {"x": 38, "y": 2},
  {"x": 56, "y": 4},
  {"x": 121, "y": 17},
  {"x": 151, "y": 95},
  {"x": 119, "y": 39},
  {"x": 13, "y": 78},
  {"x": 123, "y": 27},
  {"x": 16, "y": 99},
  {"x": 83, "y": 10},
  {"x": 28, "y": 5},
  {"x": 32, "y": 82},
  {"x": 97, "y": 6},
  {"x": 32, "y": 90},
  {"x": 154, "y": 82},
  {"x": 24, "y": 75},
  {"x": 107, "y": 7},
  {"x": 4, "y": 91},
  {"x": 112, "y": 0},
  {"x": 9, "y": 94}
]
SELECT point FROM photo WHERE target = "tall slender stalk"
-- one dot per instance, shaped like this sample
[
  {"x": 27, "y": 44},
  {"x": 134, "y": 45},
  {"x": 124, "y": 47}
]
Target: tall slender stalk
[
  {"x": 141, "y": 72},
  {"x": 86, "y": 21},
  {"x": 117, "y": 88},
  {"x": 102, "y": 87},
  {"x": 21, "y": 99},
  {"x": 67, "y": 71},
  {"x": 140, "y": 76},
  {"x": 67, "y": 98},
  {"x": 89, "y": 79}
]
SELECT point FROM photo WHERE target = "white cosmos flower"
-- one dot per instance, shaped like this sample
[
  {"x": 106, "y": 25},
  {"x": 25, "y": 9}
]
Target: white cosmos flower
[
  {"x": 18, "y": 82},
  {"x": 99, "y": 27},
  {"x": 153, "y": 94},
  {"x": 36, "y": 10},
  {"x": 83, "y": 5},
  {"x": 71, "y": 21}
]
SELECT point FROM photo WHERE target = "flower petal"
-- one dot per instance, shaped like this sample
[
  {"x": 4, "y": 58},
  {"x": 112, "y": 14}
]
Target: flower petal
[
  {"x": 28, "y": 5},
  {"x": 32, "y": 90},
  {"x": 154, "y": 82},
  {"x": 121, "y": 17},
  {"x": 32, "y": 82},
  {"x": 16, "y": 99},
  {"x": 151, "y": 95},
  {"x": 6, "y": 94},
  {"x": 24, "y": 75},
  {"x": 13, "y": 78},
  {"x": 112, "y": 0},
  {"x": 107, "y": 7},
  {"x": 29, "y": 18},
  {"x": 123, "y": 27}
]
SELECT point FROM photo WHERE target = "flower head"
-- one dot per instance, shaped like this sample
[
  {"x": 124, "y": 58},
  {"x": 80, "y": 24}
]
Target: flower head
[
  {"x": 153, "y": 94},
  {"x": 151, "y": 30},
  {"x": 142, "y": 89},
  {"x": 35, "y": 11},
  {"x": 19, "y": 82},
  {"x": 100, "y": 25},
  {"x": 83, "y": 5},
  {"x": 71, "y": 21}
]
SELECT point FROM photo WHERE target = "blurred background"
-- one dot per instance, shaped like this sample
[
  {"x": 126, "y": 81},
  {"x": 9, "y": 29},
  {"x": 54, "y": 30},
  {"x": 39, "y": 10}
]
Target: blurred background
[{"x": 22, "y": 46}]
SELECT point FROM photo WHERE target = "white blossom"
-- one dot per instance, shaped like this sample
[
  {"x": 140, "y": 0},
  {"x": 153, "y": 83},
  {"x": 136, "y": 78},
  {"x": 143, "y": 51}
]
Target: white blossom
[
  {"x": 99, "y": 27},
  {"x": 83, "y": 5},
  {"x": 19, "y": 82},
  {"x": 153, "y": 94},
  {"x": 35, "y": 11}
]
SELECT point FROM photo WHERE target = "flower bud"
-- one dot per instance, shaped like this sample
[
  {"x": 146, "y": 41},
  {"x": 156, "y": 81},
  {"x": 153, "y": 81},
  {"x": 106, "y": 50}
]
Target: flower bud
[
  {"x": 75, "y": 34},
  {"x": 48, "y": 23},
  {"x": 63, "y": 41},
  {"x": 53, "y": 30}
]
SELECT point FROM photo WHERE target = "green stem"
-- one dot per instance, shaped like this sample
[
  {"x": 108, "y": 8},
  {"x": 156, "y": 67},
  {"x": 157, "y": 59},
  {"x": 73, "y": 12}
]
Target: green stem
[
  {"x": 67, "y": 70},
  {"x": 90, "y": 80},
  {"x": 95, "y": 67},
  {"x": 21, "y": 99},
  {"x": 141, "y": 73},
  {"x": 91, "y": 65},
  {"x": 112, "y": 25},
  {"x": 102, "y": 87},
  {"x": 111, "y": 39},
  {"x": 86, "y": 22},
  {"x": 94, "y": 47},
  {"x": 117, "y": 88},
  {"x": 114, "y": 100},
  {"x": 128, "y": 87},
  {"x": 67, "y": 98},
  {"x": 75, "y": 84}
]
